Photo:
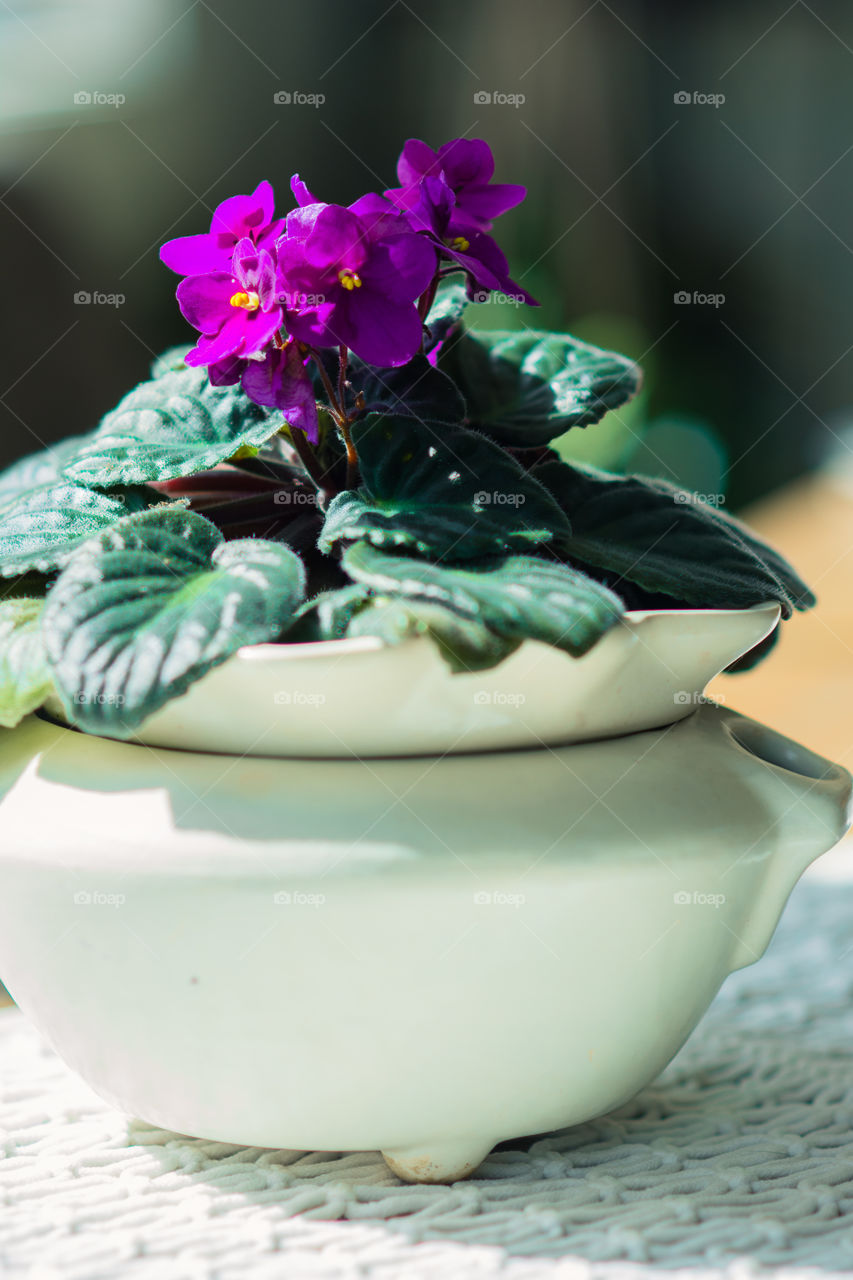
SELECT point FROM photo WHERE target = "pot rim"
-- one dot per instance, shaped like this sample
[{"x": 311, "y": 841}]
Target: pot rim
[{"x": 367, "y": 644}]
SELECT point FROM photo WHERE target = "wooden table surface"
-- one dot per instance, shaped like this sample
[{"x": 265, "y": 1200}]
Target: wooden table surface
[{"x": 805, "y": 688}]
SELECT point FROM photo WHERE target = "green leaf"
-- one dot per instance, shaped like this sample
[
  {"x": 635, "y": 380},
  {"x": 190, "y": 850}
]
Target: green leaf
[
  {"x": 151, "y": 605},
  {"x": 465, "y": 643},
  {"x": 528, "y": 387},
  {"x": 170, "y": 361},
  {"x": 447, "y": 309},
  {"x": 40, "y": 528},
  {"x": 666, "y": 540},
  {"x": 416, "y": 389},
  {"x": 172, "y": 426},
  {"x": 517, "y": 597},
  {"x": 328, "y": 615},
  {"x": 24, "y": 675},
  {"x": 444, "y": 493},
  {"x": 40, "y": 468}
]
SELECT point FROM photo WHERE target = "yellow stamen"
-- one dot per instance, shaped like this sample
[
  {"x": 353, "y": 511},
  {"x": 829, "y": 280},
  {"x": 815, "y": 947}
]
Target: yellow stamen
[
  {"x": 249, "y": 301},
  {"x": 459, "y": 243},
  {"x": 350, "y": 280}
]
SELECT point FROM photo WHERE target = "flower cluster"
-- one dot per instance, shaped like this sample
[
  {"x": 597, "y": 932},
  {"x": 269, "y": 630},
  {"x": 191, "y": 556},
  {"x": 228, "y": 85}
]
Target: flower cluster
[{"x": 266, "y": 294}]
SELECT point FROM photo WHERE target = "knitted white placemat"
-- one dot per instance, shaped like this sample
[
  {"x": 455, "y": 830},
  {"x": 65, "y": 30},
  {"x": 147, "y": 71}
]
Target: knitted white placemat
[{"x": 739, "y": 1157}]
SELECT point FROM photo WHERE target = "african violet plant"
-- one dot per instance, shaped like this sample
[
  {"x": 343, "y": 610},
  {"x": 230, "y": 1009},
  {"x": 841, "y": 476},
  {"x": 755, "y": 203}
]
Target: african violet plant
[{"x": 340, "y": 454}]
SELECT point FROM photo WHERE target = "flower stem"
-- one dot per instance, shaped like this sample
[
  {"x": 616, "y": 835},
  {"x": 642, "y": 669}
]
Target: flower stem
[
  {"x": 310, "y": 461},
  {"x": 342, "y": 378},
  {"x": 352, "y": 456},
  {"x": 336, "y": 409},
  {"x": 427, "y": 298}
]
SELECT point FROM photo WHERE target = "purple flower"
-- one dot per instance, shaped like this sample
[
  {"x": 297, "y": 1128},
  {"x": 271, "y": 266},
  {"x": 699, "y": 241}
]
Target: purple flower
[
  {"x": 238, "y": 218},
  {"x": 236, "y": 312},
  {"x": 473, "y": 250},
  {"x": 467, "y": 166},
  {"x": 282, "y": 382},
  {"x": 352, "y": 276},
  {"x": 278, "y": 379}
]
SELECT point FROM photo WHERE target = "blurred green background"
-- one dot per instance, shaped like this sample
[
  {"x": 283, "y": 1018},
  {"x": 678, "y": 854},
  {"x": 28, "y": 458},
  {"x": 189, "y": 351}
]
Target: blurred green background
[{"x": 702, "y": 150}]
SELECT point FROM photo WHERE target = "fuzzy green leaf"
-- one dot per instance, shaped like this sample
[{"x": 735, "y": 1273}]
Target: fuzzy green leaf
[
  {"x": 444, "y": 493},
  {"x": 24, "y": 675},
  {"x": 40, "y": 528},
  {"x": 517, "y": 597},
  {"x": 174, "y": 425},
  {"x": 465, "y": 643},
  {"x": 151, "y": 605},
  {"x": 666, "y": 540},
  {"x": 528, "y": 387}
]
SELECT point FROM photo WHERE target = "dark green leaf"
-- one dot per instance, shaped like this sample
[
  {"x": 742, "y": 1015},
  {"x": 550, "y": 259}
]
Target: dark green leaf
[
  {"x": 528, "y": 387},
  {"x": 447, "y": 309},
  {"x": 149, "y": 606},
  {"x": 666, "y": 540},
  {"x": 328, "y": 615},
  {"x": 40, "y": 528},
  {"x": 417, "y": 389},
  {"x": 465, "y": 643},
  {"x": 445, "y": 493},
  {"x": 174, "y": 425},
  {"x": 517, "y": 597},
  {"x": 24, "y": 676}
]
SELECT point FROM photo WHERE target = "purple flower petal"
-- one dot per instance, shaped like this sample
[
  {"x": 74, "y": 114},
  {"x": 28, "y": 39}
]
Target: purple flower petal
[
  {"x": 194, "y": 255},
  {"x": 380, "y": 332},
  {"x": 400, "y": 268},
  {"x": 281, "y": 382},
  {"x": 241, "y": 215},
  {"x": 205, "y": 300},
  {"x": 465, "y": 161},
  {"x": 224, "y": 373},
  {"x": 378, "y": 217},
  {"x": 299, "y": 223},
  {"x": 416, "y": 160},
  {"x": 301, "y": 193},
  {"x": 484, "y": 202},
  {"x": 315, "y": 325},
  {"x": 336, "y": 237},
  {"x": 213, "y": 350}
]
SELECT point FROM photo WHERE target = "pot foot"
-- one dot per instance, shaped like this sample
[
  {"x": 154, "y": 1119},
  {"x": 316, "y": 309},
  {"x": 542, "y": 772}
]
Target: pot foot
[{"x": 438, "y": 1162}]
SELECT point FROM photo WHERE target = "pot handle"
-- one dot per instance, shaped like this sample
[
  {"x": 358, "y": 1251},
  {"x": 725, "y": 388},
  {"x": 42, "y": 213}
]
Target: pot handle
[
  {"x": 814, "y": 793},
  {"x": 813, "y": 805}
]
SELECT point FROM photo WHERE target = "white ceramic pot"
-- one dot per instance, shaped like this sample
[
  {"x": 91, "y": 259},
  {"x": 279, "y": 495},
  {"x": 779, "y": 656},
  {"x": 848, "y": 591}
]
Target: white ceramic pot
[
  {"x": 359, "y": 698},
  {"x": 423, "y": 955}
]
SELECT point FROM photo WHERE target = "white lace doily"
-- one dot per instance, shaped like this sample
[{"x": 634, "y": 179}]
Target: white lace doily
[{"x": 740, "y": 1157}]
